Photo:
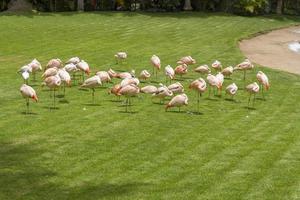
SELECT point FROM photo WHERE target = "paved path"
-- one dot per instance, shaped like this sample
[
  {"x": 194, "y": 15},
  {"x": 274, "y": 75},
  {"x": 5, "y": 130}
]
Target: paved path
[{"x": 272, "y": 49}]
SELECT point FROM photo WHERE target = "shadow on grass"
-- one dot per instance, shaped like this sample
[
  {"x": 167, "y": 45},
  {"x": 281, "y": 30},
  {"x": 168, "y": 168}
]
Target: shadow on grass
[
  {"x": 128, "y": 112},
  {"x": 249, "y": 108},
  {"x": 24, "y": 175},
  {"x": 195, "y": 113},
  {"x": 28, "y": 113},
  {"x": 91, "y": 104},
  {"x": 232, "y": 100},
  {"x": 64, "y": 101},
  {"x": 60, "y": 96},
  {"x": 51, "y": 107}
]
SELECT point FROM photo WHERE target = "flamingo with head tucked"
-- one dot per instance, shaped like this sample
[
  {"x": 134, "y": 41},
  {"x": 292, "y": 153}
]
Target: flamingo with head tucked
[
  {"x": 162, "y": 92},
  {"x": 35, "y": 66},
  {"x": 144, "y": 75},
  {"x": 104, "y": 76},
  {"x": 199, "y": 86},
  {"x": 52, "y": 82},
  {"x": 73, "y": 60},
  {"x": 217, "y": 65},
  {"x": 155, "y": 61},
  {"x": 181, "y": 70},
  {"x": 84, "y": 67},
  {"x": 28, "y": 92},
  {"x": 264, "y": 82},
  {"x": 120, "y": 56},
  {"x": 65, "y": 78},
  {"x": 203, "y": 69},
  {"x": 231, "y": 90},
  {"x": 244, "y": 66},
  {"x": 149, "y": 89},
  {"x": 228, "y": 71},
  {"x": 169, "y": 72},
  {"x": 25, "y": 72},
  {"x": 54, "y": 63},
  {"x": 176, "y": 88},
  {"x": 188, "y": 60}
]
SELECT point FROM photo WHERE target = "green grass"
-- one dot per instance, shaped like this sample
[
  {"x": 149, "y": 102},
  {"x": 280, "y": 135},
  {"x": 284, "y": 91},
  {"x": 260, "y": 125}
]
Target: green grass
[{"x": 98, "y": 152}]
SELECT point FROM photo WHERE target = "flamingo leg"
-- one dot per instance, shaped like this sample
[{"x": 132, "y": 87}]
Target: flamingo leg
[
  {"x": 27, "y": 105},
  {"x": 253, "y": 99},
  {"x": 262, "y": 91},
  {"x": 209, "y": 90},
  {"x": 249, "y": 100},
  {"x": 244, "y": 78},
  {"x": 126, "y": 104},
  {"x": 93, "y": 95},
  {"x": 34, "y": 78},
  {"x": 179, "y": 108},
  {"x": 198, "y": 101},
  {"x": 54, "y": 98},
  {"x": 64, "y": 88}
]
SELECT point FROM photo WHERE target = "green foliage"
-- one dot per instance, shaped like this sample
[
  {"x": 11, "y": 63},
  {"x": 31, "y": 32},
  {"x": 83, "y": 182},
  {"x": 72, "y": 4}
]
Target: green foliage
[{"x": 250, "y": 6}]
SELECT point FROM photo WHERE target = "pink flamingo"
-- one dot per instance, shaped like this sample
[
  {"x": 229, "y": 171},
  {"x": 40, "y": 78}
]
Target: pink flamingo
[
  {"x": 104, "y": 76},
  {"x": 188, "y": 60},
  {"x": 181, "y": 70},
  {"x": 52, "y": 82},
  {"x": 232, "y": 90},
  {"x": 28, "y": 92},
  {"x": 203, "y": 69},
  {"x": 244, "y": 66},
  {"x": 144, "y": 75},
  {"x": 84, "y": 67},
  {"x": 50, "y": 72},
  {"x": 216, "y": 65},
  {"x": 149, "y": 89},
  {"x": 35, "y": 66},
  {"x": 169, "y": 72},
  {"x": 264, "y": 82},
  {"x": 92, "y": 83},
  {"x": 162, "y": 92},
  {"x": 73, "y": 60},
  {"x": 252, "y": 89},
  {"x": 129, "y": 91},
  {"x": 120, "y": 56},
  {"x": 176, "y": 88},
  {"x": 178, "y": 101},
  {"x": 57, "y": 63},
  {"x": 199, "y": 86},
  {"x": 155, "y": 61},
  {"x": 228, "y": 71}
]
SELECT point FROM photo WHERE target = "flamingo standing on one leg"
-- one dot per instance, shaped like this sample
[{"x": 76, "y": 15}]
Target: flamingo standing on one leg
[
  {"x": 200, "y": 86},
  {"x": 92, "y": 83},
  {"x": 104, "y": 76},
  {"x": 170, "y": 73},
  {"x": 129, "y": 91},
  {"x": 220, "y": 78},
  {"x": 244, "y": 66},
  {"x": 25, "y": 71},
  {"x": 264, "y": 82},
  {"x": 35, "y": 66},
  {"x": 178, "y": 101},
  {"x": 155, "y": 61},
  {"x": 84, "y": 67},
  {"x": 115, "y": 90},
  {"x": 149, "y": 89},
  {"x": 54, "y": 63},
  {"x": 50, "y": 72},
  {"x": 252, "y": 89},
  {"x": 28, "y": 92},
  {"x": 232, "y": 90},
  {"x": 65, "y": 78},
  {"x": 71, "y": 69},
  {"x": 73, "y": 60}
]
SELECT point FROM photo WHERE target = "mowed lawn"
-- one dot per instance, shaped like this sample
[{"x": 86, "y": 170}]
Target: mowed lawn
[{"x": 84, "y": 151}]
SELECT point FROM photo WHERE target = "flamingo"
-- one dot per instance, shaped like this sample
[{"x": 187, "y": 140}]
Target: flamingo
[
  {"x": 220, "y": 78},
  {"x": 65, "y": 78},
  {"x": 181, "y": 69},
  {"x": 213, "y": 82},
  {"x": 188, "y": 60},
  {"x": 120, "y": 56},
  {"x": 228, "y": 71},
  {"x": 144, "y": 75},
  {"x": 169, "y": 72},
  {"x": 73, "y": 60},
  {"x": 155, "y": 61},
  {"x": 129, "y": 91},
  {"x": 216, "y": 65},
  {"x": 244, "y": 66},
  {"x": 176, "y": 88},
  {"x": 178, "y": 101},
  {"x": 54, "y": 63},
  {"x": 112, "y": 73},
  {"x": 115, "y": 90},
  {"x": 252, "y": 89},
  {"x": 25, "y": 71},
  {"x": 35, "y": 66},
  {"x": 162, "y": 92},
  {"x": 104, "y": 76},
  {"x": 28, "y": 92},
  {"x": 92, "y": 83},
  {"x": 50, "y": 72},
  {"x": 128, "y": 81},
  {"x": 199, "y": 85},
  {"x": 203, "y": 69},
  {"x": 264, "y": 82},
  {"x": 84, "y": 67},
  {"x": 71, "y": 68},
  {"x": 121, "y": 75},
  {"x": 52, "y": 82},
  {"x": 149, "y": 89},
  {"x": 232, "y": 89}
]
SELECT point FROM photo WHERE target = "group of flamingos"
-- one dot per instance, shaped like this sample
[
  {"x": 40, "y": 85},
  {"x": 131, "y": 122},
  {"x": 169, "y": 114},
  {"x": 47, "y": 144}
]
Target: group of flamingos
[{"x": 57, "y": 74}]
